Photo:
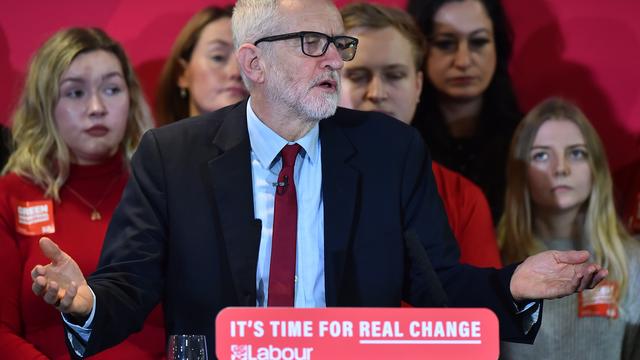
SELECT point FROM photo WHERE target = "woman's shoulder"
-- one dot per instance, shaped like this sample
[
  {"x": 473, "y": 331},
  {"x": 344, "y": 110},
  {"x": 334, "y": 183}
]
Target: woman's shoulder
[
  {"x": 12, "y": 185},
  {"x": 632, "y": 250},
  {"x": 13, "y": 180},
  {"x": 16, "y": 190},
  {"x": 9, "y": 180},
  {"x": 632, "y": 306}
]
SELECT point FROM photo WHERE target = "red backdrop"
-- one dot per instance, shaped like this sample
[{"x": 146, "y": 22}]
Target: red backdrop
[{"x": 586, "y": 50}]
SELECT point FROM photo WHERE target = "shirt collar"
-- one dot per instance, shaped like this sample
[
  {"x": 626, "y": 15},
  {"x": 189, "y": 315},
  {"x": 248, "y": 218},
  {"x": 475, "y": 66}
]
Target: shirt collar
[{"x": 266, "y": 143}]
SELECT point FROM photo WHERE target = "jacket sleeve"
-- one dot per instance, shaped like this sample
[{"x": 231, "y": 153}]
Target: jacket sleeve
[{"x": 465, "y": 286}]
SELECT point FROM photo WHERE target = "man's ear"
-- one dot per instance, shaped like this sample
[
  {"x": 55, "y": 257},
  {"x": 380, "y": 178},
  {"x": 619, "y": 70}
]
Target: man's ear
[{"x": 250, "y": 62}]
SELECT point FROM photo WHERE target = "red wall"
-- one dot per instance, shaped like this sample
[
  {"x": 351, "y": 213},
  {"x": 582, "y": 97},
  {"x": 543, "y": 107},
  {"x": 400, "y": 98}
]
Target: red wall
[{"x": 587, "y": 50}]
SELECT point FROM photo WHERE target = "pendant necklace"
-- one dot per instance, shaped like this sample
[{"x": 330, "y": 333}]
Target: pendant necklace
[{"x": 95, "y": 214}]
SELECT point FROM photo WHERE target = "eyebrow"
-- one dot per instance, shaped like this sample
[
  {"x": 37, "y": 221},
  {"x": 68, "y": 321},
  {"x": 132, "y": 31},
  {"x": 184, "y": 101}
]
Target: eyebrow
[
  {"x": 549, "y": 146},
  {"x": 218, "y": 42},
  {"x": 384, "y": 67},
  {"x": 396, "y": 66},
  {"x": 106, "y": 76},
  {"x": 454, "y": 33}
]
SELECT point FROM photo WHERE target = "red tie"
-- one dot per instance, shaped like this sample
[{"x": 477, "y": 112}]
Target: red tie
[{"x": 285, "y": 226}]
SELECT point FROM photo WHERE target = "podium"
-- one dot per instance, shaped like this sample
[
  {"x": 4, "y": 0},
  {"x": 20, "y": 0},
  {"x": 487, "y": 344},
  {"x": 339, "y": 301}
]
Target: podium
[{"x": 356, "y": 333}]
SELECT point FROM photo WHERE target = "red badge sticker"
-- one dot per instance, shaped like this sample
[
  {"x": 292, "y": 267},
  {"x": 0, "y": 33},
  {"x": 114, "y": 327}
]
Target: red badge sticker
[
  {"x": 35, "y": 217},
  {"x": 600, "y": 301}
]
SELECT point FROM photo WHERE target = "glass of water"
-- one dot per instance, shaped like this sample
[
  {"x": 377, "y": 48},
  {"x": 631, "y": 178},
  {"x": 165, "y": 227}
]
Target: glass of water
[{"x": 187, "y": 347}]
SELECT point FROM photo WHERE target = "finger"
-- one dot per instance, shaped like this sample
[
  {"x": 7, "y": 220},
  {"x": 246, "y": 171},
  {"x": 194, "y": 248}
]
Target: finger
[
  {"x": 51, "y": 250},
  {"x": 67, "y": 299},
  {"x": 38, "y": 286},
  {"x": 588, "y": 274},
  {"x": 51, "y": 294},
  {"x": 572, "y": 257},
  {"x": 575, "y": 282},
  {"x": 37, "y": 270},
  {"x": 585, "y": 281},
  {"x": 598, "y": 277}
]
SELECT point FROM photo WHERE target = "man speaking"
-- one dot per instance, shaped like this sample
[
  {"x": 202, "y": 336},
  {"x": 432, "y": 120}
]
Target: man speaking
[{"x": 282, "y": 200}]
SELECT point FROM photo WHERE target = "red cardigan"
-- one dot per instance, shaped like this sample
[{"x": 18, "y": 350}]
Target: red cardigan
[
  {"x": 469, "y": 217},
  {"x": 29, "y": 328}
]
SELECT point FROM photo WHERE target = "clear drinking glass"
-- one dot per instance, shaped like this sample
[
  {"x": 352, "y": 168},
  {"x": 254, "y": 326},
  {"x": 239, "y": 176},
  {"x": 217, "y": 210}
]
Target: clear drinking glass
[{"x": 187, "y": 347}]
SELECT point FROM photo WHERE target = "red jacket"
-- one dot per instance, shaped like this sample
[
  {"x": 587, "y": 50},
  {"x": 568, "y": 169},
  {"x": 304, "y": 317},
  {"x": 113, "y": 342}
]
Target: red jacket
[{"x": 469, "y": 217}]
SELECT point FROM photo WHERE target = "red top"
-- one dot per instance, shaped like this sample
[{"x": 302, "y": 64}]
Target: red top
[
  {"x": 30, "y": 328},
  {"x": 469, "y": 217}
]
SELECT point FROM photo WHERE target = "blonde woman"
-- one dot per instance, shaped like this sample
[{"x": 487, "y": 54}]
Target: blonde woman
[
  {"x": 559, "y": 197},
  {"x": 79, "y": 119}
]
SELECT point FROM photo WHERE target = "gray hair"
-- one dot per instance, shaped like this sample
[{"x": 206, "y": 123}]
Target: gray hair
[{"x": 253, "y": 19}]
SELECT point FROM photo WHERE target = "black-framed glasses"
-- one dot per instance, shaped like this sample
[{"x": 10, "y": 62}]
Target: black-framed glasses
[{"x": 315, "y": 44}]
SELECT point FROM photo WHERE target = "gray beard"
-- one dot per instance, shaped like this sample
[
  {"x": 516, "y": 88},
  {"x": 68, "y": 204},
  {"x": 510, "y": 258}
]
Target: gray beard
[{"x": 311, "y": 108}]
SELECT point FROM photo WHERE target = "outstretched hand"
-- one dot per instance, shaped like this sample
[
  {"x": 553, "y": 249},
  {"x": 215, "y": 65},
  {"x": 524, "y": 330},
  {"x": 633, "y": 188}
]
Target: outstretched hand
[
  {"x": 554, "y": 274},
  {"x": 61, "y": 283}
]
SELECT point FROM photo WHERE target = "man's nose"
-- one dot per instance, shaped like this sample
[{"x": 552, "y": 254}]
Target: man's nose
[{"x": 332, "y": 58}]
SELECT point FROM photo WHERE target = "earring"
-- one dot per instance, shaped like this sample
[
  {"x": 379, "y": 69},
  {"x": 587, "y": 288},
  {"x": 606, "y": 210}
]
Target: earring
[{"x": 183, "y": 93}]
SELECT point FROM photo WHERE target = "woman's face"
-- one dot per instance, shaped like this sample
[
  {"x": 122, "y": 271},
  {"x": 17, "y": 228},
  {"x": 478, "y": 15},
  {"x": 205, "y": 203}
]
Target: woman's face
[
  {"x": 461, "y": 59},
  {"x": 212, "y": 77},
  {"x": 93, "y": 107},
  {"x": 559, "y": 174},
  {"x": 382, "y": 77}
]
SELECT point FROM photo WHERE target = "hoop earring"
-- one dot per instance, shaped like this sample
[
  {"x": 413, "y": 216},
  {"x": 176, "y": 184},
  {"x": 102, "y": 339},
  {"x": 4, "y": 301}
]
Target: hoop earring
[{"x": 183, "y": 93}]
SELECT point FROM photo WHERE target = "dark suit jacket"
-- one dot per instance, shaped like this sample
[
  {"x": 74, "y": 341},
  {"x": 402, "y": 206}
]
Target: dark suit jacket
[{"x": 185, "y": 234}]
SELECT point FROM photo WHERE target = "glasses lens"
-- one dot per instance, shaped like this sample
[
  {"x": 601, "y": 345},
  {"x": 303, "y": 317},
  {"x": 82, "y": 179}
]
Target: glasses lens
[
  {"x": 314, "y": 44},
  {"x": 346, "y": 47}
]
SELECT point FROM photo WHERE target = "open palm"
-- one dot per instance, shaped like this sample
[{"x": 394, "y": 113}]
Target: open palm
[
  {"x": 553, "y": 274},
  {"x": 61, "y": 282}
]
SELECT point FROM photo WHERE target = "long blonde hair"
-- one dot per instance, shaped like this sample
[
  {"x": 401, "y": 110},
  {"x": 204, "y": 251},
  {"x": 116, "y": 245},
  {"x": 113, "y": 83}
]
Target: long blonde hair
[
  {"x": 40, "y": 153},
  {"x": 601, "y": 227}
]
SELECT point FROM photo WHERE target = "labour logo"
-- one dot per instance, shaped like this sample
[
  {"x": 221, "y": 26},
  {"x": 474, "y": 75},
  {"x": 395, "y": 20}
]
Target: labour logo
[{"x": 239, "y": 352}]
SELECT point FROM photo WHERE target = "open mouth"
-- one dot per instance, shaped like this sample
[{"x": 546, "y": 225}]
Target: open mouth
[{"x": 328, "y": 84}]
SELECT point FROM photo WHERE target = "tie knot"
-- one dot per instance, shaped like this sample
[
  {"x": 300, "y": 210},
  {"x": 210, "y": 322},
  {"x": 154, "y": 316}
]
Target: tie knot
[{"x": 288, "y": 154}]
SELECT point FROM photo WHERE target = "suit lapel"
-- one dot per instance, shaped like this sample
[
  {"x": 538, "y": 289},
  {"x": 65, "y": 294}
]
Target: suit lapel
[
  {"x": 230, "y": 172},
  {"x": 339, "y": 193}
]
